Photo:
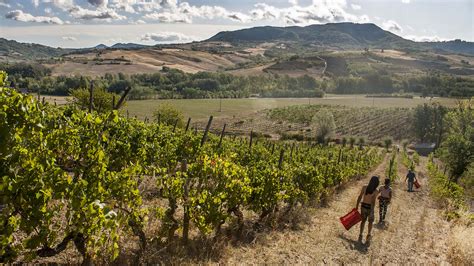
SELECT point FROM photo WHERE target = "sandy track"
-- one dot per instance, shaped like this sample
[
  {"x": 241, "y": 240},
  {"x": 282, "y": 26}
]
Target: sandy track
[{"x": 414, "y": 233}]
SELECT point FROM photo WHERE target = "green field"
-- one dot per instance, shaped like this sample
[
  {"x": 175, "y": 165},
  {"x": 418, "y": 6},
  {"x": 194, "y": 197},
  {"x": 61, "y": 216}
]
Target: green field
[{"x": 203, "y": 108}]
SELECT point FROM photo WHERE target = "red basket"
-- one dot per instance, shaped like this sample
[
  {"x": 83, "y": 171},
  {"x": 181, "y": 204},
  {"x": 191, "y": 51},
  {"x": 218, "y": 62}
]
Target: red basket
[
  {"x": 351, "y": 219},
  {"x": 417, "y": 185}
]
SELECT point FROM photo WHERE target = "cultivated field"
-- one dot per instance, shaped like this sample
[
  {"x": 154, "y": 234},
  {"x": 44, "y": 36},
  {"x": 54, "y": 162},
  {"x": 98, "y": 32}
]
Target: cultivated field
[{"x": 203, "y": 108}]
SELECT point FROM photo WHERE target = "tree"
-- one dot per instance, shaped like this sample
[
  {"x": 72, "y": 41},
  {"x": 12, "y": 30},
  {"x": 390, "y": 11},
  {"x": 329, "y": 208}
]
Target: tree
[
  {"x": 323, "y": 124},
  {"x": 169, "y": 115},
  {"x": 388, "y": 142},
  {"x": 428, "y": 122},
  {"x": 361, "y": 142},
  {"x": 457, "y": 149},
  {"x": 352, "y": 141},
  {"x": 102, "y": 100}
]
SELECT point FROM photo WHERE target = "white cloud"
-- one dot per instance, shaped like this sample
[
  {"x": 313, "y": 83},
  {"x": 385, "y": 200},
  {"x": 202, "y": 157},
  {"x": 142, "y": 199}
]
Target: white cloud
[
  {"x": 48, "y": 11},
  {"x": 391, "y": 25},
  {"x": 176, "y": 11},
  {"x": 99, "y": 14},
  {"x": 356, "y": 7},
  {"x": 62, "y": 4},
  {"x": 26, "y": 17},
  {"x": 69, "y": 38},
  {"x": 293, "y": 2},
  {"x": 35, "y": 2},
  {"x": 168, "y": 17},
  {"x": 4, "y": 4},
  {"x": 320, "y": 11},
  {"x": 406, "y": 1},
  {"x": 166, "y": 37}
]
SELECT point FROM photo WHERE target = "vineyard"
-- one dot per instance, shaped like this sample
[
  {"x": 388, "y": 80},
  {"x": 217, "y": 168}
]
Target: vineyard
[
  {"x": 103, "y": 184},
  {"x": 372, "y": 123}
]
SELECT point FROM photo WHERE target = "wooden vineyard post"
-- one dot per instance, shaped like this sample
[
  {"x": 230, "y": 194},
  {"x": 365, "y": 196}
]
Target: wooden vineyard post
[
  {"x": 280, "y": 161},
  {"x": 127, "y": 114},
  {"x": 222, "y": 136},
  {"x": 42, "y": 101},
  {"x": 291, "y": 152},
  {"x": 113, "y": 102},
  {"x": 339, "y": 157},
  {"x": 251, "y": 139},
  {"x": 175, "y": 124},
  {"x": 39, "y": 96},
  {"x": 122, "y": 98},
  {"x": 273, "y": 148},
  {"x": 91, "y": 96},
  {"x": 184, "y": 167},
  {"x": 187, "y": 124},
  {"x": 158, "y": 119},
  {"x": 204, "y": 137}
]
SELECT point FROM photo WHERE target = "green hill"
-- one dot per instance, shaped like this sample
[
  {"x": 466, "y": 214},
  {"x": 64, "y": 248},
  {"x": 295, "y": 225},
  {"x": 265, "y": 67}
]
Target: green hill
[
  {"x": 14, "y": 49},
  {"x": 345, "y": 35}
]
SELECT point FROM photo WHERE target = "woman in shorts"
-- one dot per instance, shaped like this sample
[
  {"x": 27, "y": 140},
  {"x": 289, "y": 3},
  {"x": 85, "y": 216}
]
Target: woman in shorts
[{"x": 368, "y": 195}]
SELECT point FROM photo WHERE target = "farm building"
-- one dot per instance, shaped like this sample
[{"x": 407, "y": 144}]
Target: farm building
[{"x": 424, "y": 149}]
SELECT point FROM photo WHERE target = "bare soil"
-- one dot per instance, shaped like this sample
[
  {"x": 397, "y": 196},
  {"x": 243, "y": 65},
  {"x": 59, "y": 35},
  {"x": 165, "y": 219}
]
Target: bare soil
[{"x": 414, "y": 233}]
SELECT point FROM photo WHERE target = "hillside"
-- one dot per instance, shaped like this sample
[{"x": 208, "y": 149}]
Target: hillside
[
  {"x": 13, "y": 50},
  {"x": 338, "y": 35}
]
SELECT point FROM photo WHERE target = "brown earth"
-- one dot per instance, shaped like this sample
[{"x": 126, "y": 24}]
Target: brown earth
[{"x": 415, "y": 233}]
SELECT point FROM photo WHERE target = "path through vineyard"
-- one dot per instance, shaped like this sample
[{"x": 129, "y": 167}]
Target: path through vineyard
[{"x": 415, "y": 233}]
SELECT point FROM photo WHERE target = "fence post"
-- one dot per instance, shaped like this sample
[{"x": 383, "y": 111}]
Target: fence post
[
  {"x": 280, "y": 161},
  {"x": 204, "y": 137},
  {"x": 222, "y": 136},
  {"x": 251, "y": 139},
  {"x": 187, "y": 125},
  {"x": 91, "y": 96},
  {"x": 175, "y": 124}
]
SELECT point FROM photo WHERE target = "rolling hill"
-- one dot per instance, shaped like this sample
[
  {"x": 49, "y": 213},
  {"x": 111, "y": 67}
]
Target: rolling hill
[
  {"x": 338, "y": 35},
  {"x": 13, "y": 49}
]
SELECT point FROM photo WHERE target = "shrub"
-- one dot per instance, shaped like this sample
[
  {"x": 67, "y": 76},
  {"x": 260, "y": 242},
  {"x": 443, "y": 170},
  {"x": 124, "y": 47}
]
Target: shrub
[
  {"x": 169, "y": 115},
  {"x": 387, "y": 143},
  {"x": 323, "y": 123},
  {"x": 102, "y": 100}
]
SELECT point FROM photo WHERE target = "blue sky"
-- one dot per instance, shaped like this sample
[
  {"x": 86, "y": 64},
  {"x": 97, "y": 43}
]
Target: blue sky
[{"x": 84, "y": 23}]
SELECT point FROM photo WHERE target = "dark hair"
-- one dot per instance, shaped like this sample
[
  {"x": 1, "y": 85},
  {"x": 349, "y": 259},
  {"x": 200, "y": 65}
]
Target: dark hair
[
  {"x": 373, "y": 184},
  {"x": 387, "y": 181}
]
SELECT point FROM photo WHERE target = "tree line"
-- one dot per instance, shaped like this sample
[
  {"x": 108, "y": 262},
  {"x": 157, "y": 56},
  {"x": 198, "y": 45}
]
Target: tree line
[
  {"x": 453, "y": 132},
  {"x": 432, "y": 84},
  {"x": 173, "y": 83},
  {"x": 167, "y": 84}
]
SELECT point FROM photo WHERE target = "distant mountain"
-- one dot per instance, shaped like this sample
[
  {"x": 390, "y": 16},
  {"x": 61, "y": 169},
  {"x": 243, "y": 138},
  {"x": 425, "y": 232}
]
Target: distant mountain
[
  {"x": 14, "y": 49},
  {"x": 331, "y": 34},
  {"x": 100, "y": 46},
  {"x": 337, "y": 35},
  {"x": 128, "y": 46},
  {"x": 456, "y": 46}
]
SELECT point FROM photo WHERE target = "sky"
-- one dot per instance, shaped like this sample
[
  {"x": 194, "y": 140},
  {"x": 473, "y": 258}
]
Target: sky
[{"x": 86, "y": 23}]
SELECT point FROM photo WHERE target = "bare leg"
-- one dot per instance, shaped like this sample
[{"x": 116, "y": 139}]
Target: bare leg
[
  {"x": 362, "y": 225},
  {"x": 370, "y": 228}
]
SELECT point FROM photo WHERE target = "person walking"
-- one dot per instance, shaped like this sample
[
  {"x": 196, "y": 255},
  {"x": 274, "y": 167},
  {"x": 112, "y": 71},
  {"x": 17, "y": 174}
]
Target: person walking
[
  {"x": 411, "y": 177},
  {"x": 384, "y": 199},
  {"x": 368, "y": 195}
]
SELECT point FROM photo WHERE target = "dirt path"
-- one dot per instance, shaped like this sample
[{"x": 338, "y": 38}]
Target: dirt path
[{"x": 414, "y": 233}]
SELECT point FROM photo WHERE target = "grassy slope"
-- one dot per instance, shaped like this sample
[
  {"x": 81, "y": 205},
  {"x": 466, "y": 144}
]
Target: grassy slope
[{"x": 203, "y": 108}]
